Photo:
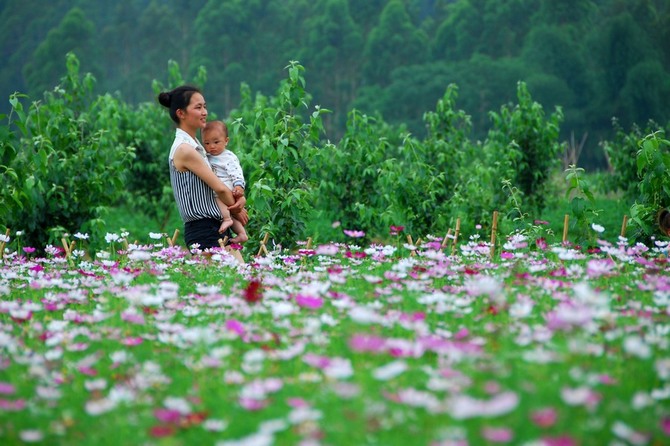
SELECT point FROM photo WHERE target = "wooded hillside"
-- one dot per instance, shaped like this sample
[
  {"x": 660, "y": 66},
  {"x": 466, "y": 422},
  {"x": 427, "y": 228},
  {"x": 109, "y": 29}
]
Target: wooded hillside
[{"x": 597, "y": 59}]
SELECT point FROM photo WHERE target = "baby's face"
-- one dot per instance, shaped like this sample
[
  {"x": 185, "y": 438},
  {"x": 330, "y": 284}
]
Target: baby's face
[{"x": 215, "y": 141}]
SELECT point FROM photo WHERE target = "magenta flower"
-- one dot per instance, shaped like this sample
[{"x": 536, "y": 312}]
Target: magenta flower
[
  {"x": 170, "y": 416},
  {"x": 665, "y": 425},
  {"x": 309, "y": 301},
  {"x": 6, "y": 388},
  {"x": 235, "y": 326},
  {"x": 395, "y": 230},
  {"x": 161, "y": 431}
]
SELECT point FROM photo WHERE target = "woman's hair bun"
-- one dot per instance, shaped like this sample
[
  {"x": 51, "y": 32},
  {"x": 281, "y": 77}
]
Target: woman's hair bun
[{"x": 164, "y": 99}]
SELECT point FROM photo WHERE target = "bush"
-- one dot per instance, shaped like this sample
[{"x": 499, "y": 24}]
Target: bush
[
  {"x": 62, "y": 160},
  {"x": 276, "y": 145}
]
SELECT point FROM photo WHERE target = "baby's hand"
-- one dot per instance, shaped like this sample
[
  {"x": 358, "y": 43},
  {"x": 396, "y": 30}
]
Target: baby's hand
[{"x": 238, "y": 192}]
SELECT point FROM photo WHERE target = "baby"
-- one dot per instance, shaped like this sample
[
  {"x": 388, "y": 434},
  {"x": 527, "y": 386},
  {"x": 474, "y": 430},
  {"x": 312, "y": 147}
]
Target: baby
[{"x": 227, "y": 167}]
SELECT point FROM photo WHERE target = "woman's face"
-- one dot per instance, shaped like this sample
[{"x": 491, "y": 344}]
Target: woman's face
[{"x": 195, "y": 115}]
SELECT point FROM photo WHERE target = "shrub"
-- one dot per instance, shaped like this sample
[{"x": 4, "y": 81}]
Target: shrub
[{"x": 62, "y": 160}]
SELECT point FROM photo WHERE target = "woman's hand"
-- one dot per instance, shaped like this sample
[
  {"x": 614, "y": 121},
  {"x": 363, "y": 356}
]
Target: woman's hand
[{"x": 241, "y": 215}]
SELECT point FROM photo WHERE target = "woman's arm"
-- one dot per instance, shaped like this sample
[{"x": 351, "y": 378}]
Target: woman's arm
[{"x": 187, "y": 158}]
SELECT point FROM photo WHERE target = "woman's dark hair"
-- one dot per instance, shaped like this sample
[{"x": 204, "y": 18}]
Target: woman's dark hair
[{"x": 179, "y": 98}]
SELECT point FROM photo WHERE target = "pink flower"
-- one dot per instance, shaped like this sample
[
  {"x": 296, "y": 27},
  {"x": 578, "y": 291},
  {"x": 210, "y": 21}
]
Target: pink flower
[
  {"x": 235, "y": 326},
  {"x": 297, "y": 402},
  {"x": 353, "y": 234},
  {"x": 12, "y": 405},
  {"x": 309, "y": 301},
  {"x": 253, "y": 404},
  {"x": 161, "y": 431},
  {"x": 559, "y": 441},
  {"x": 544, "y": 417},
  {"x": 395, "y": 230},
  {"x": 497, "y": 435},
  {"x": 665, "y": 425},
  {"x": 132, "y": 341},
  {"x": 367, "y": 343},
  {"x": 171, "y": 416},
  {"x": 133, "y": 317},
  {"x": 89, "y": 371},
  {"x": 6, "y": 388},
  {"x": 320, "y": 362}
]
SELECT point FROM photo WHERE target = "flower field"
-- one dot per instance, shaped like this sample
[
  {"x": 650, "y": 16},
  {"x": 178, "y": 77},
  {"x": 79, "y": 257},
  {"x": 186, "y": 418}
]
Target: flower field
[{"x": 336, "y": 344}]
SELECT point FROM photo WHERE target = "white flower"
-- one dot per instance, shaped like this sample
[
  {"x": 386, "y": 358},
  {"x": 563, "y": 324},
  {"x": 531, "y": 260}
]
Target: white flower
[
  {"x": 110, "y": 238},
  {"x": 390, "y": 370},
  {"x": 179, "y": 404},
  {"x": 635, "y": 345},
  {"x": 155, "y": 235},
  {"x": 31, "y": 435},
  {"x": 598, "y": 228}
]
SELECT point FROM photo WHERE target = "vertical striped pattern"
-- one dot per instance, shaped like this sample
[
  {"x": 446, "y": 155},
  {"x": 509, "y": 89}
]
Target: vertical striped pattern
[{"x": 195, "y": 199}]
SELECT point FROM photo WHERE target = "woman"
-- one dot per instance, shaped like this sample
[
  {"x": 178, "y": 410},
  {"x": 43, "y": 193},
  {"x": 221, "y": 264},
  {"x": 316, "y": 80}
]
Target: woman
[{"x": 193, "y": 181}]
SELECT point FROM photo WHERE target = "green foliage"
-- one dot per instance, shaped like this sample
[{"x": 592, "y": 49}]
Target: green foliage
[
  {"x": 349, "y": 173},
  {"x": 582, "y": 201},
  {"x": 62, "y": 160},
  {"x": 523, "y": 135},
  {"x": 653, "y": 167},
  {"x": 622, "y": 156},
  {"x": 276, "y": 146}
]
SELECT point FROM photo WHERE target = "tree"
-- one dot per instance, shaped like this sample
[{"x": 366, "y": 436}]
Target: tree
[
  {"x": 645, "y": 94},
  {"x": 73, "y": 34},
  {"x": 334, "y": 48},
  {"x": 394, "y": 42}
]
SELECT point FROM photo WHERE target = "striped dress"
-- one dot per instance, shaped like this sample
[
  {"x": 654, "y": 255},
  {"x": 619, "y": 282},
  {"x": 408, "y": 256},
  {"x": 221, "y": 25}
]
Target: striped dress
[{"x": 195, "y": 199}]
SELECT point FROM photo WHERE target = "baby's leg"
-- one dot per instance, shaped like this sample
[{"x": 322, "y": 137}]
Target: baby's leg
[
  {"x": 238, "y": 229},
  {"x": 225, "y": 213}
]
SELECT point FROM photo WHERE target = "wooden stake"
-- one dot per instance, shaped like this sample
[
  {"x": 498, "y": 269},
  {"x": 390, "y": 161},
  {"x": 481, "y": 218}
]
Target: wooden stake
[
  {"x": 411, "y": 243},
  {"x": 172, "y": 241},
  {"x": 445, "y": 240},
  {"x": 624, "y": 223},
  {"x": 233, "y": 252},
  {"x": 309, "y": 243},
  {"x": 458, "y": 230},
  {"x": 566, "y": 220},
  {"x": 2, "y": 245},
  {"x": 66, "y": 247},
  {"x": 263, "y": 248},
  {"x": 494, "y": 229}
]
